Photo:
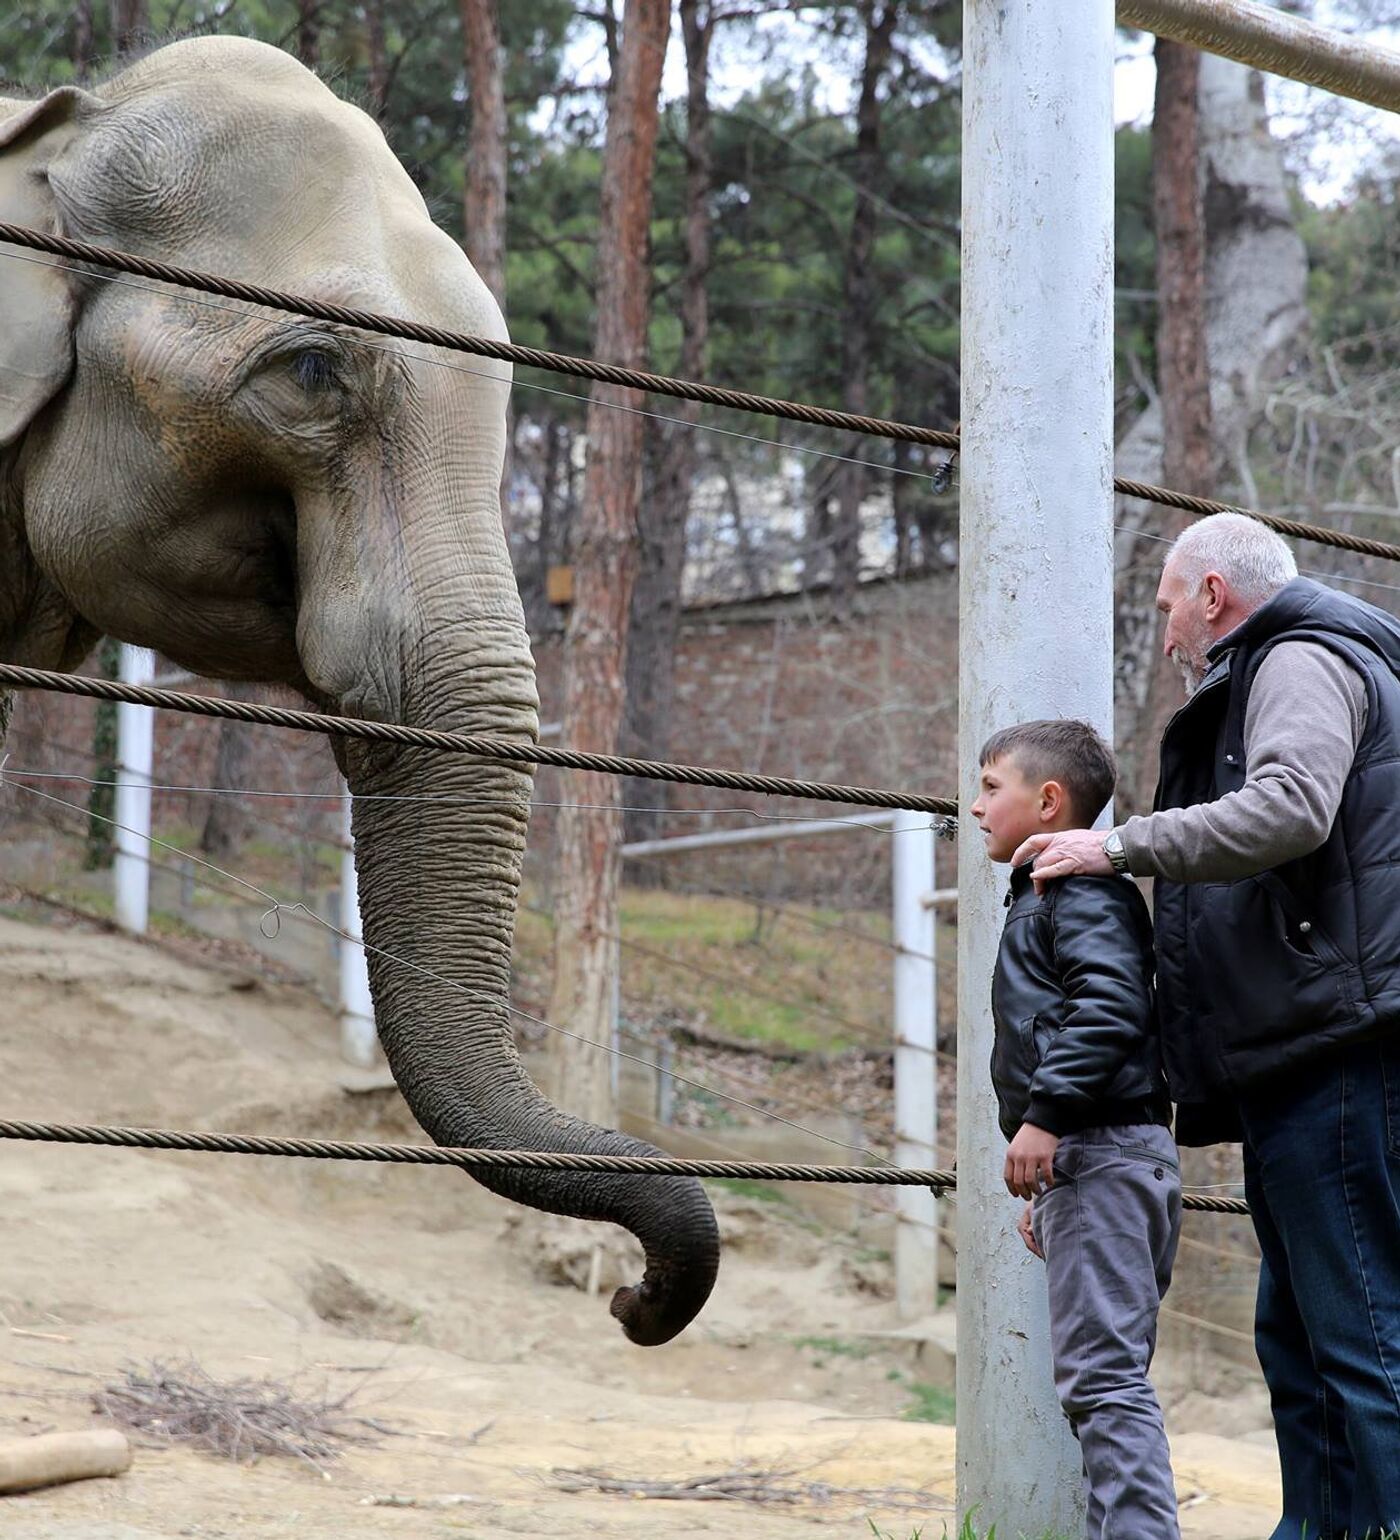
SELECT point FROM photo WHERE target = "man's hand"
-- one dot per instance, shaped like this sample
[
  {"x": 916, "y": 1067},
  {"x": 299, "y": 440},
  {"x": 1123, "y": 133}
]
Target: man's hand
[
  {"x": 1026, "y": 1231},
  {"x": 1073, "y": 852},
  {"x": 1030, "y": 1162}
]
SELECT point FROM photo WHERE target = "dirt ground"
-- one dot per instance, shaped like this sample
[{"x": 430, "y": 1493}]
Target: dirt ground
[{"x": 427, "y": 1296}]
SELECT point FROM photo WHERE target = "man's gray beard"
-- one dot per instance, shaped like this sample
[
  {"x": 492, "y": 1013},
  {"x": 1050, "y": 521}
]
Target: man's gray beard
[{"x": 1191, "y": 676}]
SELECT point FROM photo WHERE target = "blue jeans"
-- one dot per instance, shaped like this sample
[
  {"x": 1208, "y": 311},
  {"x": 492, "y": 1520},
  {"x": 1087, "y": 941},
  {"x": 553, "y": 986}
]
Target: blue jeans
[{"x": 1322, "y": 1175}]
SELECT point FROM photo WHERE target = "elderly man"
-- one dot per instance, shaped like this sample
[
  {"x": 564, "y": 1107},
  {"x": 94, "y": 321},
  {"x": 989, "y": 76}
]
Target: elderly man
[{"x": 1276, "y": 852}]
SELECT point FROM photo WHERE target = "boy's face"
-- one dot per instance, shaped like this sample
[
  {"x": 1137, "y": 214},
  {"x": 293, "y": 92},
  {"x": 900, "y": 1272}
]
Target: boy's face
[{"x": 1010, "y": 808}]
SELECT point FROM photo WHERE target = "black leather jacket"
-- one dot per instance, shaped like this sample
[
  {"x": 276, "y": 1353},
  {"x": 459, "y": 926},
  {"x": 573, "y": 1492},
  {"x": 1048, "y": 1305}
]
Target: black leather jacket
[{"x": 1076, "y": 1041}]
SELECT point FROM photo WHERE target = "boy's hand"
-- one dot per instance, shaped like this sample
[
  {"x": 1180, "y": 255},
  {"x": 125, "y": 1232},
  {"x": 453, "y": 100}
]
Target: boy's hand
[
  {"x": 1026, "y": 1231},
  {"x": 1030, "y": 1162}
]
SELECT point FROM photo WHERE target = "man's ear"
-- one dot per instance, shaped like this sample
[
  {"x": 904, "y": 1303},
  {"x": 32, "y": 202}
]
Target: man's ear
[
  {"x": 37, "y": 305},
  {"x": 1217, "y": 594}
]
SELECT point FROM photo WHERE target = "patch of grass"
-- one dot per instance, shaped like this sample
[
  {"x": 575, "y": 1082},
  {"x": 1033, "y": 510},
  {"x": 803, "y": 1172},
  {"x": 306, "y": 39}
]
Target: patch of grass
[
  {"x": 931, "y": 1404},
  {"x": 832, "y": 1347},
  {"x": 797, "y": 975},
  {"x": 745, "y": 1187},
  {"x": 771, "y": 1021}
]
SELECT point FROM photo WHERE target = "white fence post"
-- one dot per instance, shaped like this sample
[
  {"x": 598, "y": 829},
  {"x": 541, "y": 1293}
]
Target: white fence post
[
  {"x": 131, "y": 864},
  {"x": 915, "y": 1062},
  {"x": 359, "y": 1043},
  {"x": 1036, "y": 632}
]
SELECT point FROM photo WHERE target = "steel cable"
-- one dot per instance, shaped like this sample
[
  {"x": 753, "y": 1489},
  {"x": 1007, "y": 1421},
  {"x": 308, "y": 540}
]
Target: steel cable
[
  {"x": 510, "y": 1160},
  {"x": 481, "y": 347},
  {"x": 499, "y": 750},
  {"x": 635, "y": 379}
]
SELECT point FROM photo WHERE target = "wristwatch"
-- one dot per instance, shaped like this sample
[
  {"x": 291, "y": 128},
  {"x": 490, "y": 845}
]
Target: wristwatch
[{"x": 1117, "y": 856}]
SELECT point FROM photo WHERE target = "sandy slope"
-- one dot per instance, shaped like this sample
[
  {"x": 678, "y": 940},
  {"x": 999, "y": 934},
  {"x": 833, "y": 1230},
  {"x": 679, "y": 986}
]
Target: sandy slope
[{"x": 413, "y": 1286}]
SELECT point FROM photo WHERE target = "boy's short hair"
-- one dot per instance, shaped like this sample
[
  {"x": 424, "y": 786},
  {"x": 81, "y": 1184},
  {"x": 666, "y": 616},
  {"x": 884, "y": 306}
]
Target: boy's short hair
[{"x": 1069, "y": 752}]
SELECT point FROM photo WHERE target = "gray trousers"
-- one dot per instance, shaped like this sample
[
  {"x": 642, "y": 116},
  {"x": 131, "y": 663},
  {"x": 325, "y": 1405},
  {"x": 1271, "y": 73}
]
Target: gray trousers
[{"x": 1109, "y": 1229}]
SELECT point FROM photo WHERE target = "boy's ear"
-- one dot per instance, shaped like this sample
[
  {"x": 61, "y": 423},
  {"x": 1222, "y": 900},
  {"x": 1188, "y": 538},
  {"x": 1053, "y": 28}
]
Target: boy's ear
[{"x": 1053, "y": 800}]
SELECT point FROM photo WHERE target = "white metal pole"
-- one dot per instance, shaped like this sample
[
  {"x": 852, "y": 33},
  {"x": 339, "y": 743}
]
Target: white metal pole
[
  {"x": 915, "y": 1063},
  {"x": 1266, "y": 38},
  {"x": 1036, "y": 631},
  {"x": 131, "y": 865},
  {"x": 359, "y": 1043}
]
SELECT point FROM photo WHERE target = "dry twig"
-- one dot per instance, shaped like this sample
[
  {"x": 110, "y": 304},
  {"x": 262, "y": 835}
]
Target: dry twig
[
  {"x": 745, "y": 1484},
  {"x": 239, "y": 1420}
]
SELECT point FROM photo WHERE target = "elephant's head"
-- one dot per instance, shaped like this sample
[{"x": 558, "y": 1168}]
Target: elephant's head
[{"x": 264, "y": 498}]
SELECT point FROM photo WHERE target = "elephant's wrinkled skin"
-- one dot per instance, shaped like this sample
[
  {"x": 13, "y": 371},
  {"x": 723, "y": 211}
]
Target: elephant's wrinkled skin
[{"x": 264, "y": 498}]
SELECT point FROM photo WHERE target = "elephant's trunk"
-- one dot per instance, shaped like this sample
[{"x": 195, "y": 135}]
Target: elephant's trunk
[
  {"x": 409, "y": 611},
  {"x": 439, "y": 882}
]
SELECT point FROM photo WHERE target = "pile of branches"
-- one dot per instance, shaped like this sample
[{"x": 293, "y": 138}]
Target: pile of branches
[
  {"x": 239, "y": 1420},
  {"x": 746, "y": 1484}
]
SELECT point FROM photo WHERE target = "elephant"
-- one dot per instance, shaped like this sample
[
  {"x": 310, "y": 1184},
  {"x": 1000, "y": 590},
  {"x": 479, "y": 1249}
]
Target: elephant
[{"x": 268, "y": 499}]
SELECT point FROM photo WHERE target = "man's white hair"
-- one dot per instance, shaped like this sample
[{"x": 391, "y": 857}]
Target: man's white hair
[{"x": 1252, "y": 559}]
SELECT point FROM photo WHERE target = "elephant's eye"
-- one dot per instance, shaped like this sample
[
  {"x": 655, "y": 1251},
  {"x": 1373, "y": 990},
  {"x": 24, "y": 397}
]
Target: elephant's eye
[{"x": 314, "y": 370}]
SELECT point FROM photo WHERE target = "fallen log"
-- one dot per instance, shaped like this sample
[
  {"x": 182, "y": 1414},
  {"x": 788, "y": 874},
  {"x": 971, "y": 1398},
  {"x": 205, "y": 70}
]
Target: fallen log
[{"x": 50, "y": 1458}]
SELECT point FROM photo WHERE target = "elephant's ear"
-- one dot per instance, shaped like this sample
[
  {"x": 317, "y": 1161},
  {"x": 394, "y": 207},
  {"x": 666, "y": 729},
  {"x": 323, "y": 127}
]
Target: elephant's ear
[{"x": 37, "y": 305}]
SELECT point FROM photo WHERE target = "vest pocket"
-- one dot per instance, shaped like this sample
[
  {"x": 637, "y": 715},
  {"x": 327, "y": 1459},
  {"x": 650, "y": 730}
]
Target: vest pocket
[{"x": 1261, "y": 967}]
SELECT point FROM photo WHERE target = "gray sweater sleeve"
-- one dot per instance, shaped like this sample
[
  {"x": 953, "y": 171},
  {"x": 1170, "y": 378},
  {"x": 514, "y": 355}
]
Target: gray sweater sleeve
[{"x": 1305, "y": 718}]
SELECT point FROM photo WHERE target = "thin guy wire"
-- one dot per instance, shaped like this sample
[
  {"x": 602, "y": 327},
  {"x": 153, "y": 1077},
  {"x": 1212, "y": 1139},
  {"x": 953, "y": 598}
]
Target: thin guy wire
[
  {"x": 743, "y": 986},
  {"x": 785, "y": 910},
  {"x": 546, "y": 390},
  {"x": 305, "y": 917},
  {"x": 482, "y": 347},
  {"x": 498, "y": 750},
  {"x": 336, "y": 842},
  {"x": 479, "y": 802},
  {"x": 756, "y": 991},
  {"x": 276, "y": 907},
  {"x": 418, "y": 1154},
  {"x": 302, "y": 914},
  {"x": 1331, "y": 577},
  {"x": 633, "y": 379}
]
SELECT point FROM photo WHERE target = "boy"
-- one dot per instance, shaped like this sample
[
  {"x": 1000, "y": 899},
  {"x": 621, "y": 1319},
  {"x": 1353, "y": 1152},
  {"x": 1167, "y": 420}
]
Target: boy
[{"x": 1078, "y": 1077}]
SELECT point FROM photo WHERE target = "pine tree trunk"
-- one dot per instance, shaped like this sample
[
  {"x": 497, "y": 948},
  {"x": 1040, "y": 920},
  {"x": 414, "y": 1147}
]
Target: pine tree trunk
[
  {"x": 82, "y": 41},
  {"x": 664, "y": 515},
  {"x": 1183, "y": 375},
  {"x": 102, "y": 799},
  {"x": 605, "y": 563},
  {"x": 1255, "y": 320},
  {"x": 226, "y": 824},
  {"x": 485, "y": 206},
  {"x": 858, "y": 298},
  {"x": 309, "y": 32},
  {"x": 131, "y": 21},
  {"x": 548, "y": 548},
  {"x": 378, "y": 58}
]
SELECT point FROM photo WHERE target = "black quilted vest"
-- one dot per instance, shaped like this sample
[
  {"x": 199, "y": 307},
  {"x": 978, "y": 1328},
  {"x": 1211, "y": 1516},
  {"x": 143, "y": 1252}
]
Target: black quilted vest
[{"x": 1262, "y": 975}]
